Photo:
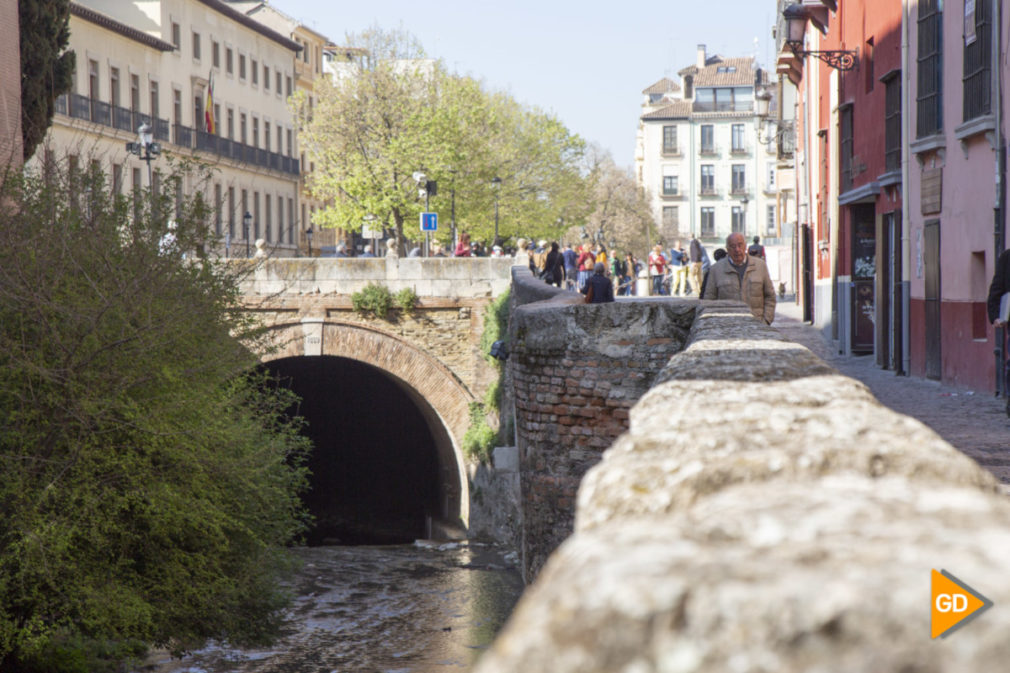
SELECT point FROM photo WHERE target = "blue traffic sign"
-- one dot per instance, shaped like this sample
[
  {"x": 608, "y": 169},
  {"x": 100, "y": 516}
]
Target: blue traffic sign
[{"x": 429, "y": 221}]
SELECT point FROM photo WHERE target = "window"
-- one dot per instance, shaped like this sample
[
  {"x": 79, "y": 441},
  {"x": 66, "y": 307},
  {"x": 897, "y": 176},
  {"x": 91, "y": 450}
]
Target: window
[
  {"x": 176, "y": 35},
  {"x": 278, "y": 88},
  {"x": 231, "y": 212},
  {"x": 266, "y": 136},
  {"x": 725, "y": 69},
  {"x": 866, "y": 65},
  {"x": 771, "y": 176},
  {"x": 707, "y": 139},
  {"x": 845, "y": 148},
  {"x": 739, "y": 224},
  {"x": 114, "y": 86},
  {"x": 228, "y": 55},
  {"x": 256, "y": 132},
  {"x": 154, "y": 100},
  {"x": 977, "y": 83},
  {"x": 244, "y": 207},
  {"x": 280, "y": 218},
  {"x": 196, "y": 46},
  {"x": 231, "y": 124},
  {"x": 739, "y": 178},
  {"x": 737, "y": 136},
  {"x": 290, "y": 148},
  {"x": 708, "y": 221},
  {"x": 708, "y": 179},
  {"x": 177, "y": 106},
  {"x": 671, "y": 218},
  {"x": 724, "y": 99},
  {"x": 254, "y": 68},
  {"x": 241, "y": 66},
  {"x": 670, "y": 185},
  {"x": 242, "y": 127},
  {"x": 770, "y": 228},
  {"x": 669, "y": 140},
  {"x": 892, "y": 123},
  {"x": 929, "y": 99},
  {"x": 266, "y": 78},
  {"x": 287, "y": 85},
  {"x": 93, "y": 80},
  {"x": 215, "y": 53},
  {"x": 135, "y": 93},
  {"x": 198, "y": 116},
  {"x": 291, "y": 220},
  {"x": 117, "y": 178},
  {"x": 218, "y": 207},
  {"x": 280, "y": 139},
  {"x": 268, "y": 211}
]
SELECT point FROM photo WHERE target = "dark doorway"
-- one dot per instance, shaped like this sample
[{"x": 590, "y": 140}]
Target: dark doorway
[
  {"x": 375, "y": 471},
  {"x": 864, "y": 270},
  {"x": 931, "y": 262},
  {"x": 808, "y": 273},
  {"x": 889, "y": 292}
]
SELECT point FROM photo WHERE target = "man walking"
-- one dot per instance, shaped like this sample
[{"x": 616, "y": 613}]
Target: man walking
[
  {"x": 571, "y": 266},
  {"x": 741, "y": 277},
  {"x": 698, "y": 256},
  {"x": 679, "y": 262}
]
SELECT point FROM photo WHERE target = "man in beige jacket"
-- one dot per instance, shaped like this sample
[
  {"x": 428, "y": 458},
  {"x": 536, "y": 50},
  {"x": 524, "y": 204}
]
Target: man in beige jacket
[{"x": 742, "y": 277}]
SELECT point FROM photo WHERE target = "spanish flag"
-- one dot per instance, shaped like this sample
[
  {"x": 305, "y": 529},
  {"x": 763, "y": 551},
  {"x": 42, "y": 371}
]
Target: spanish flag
[{"x": 208, "y": 108}]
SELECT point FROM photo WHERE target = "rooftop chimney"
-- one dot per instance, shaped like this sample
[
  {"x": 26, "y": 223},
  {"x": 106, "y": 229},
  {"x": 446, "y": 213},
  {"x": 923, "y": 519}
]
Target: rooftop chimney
[{"x": 701, "y": 56}]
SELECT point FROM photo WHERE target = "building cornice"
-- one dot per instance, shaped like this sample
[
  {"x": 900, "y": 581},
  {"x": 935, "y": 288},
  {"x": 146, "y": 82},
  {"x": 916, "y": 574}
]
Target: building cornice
[
  {"x": 251, "y": 23},
  {"x": 129, "y": 32}
]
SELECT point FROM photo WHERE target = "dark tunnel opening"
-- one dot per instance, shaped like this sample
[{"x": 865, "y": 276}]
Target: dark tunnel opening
[{"x": 375, "y": 466}]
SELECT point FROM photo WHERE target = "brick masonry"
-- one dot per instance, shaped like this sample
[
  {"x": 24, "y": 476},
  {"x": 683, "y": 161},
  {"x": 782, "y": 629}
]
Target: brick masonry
[{"x": 576, "y": 370}]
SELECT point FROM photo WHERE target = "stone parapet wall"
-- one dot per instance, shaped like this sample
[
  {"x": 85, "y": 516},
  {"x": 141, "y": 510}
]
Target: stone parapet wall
[
  {"x": 764, "y": 513},
  {"x": 576, "y": 370},
  {"x": 463, "y": 277}
]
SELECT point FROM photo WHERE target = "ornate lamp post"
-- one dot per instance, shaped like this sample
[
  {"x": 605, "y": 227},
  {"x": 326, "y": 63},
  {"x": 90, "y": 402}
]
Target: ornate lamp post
[
  {"x": 145, "y": 148},
  {"x": 796, "y": 16}
]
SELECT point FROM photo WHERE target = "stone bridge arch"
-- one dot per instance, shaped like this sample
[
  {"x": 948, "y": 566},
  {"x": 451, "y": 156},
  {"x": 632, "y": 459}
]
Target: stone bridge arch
[{"x": 441, "y": 397}]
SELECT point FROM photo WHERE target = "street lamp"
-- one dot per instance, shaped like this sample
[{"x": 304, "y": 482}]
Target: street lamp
[
  {"x": 496, "y": 185},
  {"x": 308, "y": 237},
  {"x": 771, "y": 131},
  {"x": 246, "y": 224},
  {"x": 796, "y": 16},
  {"x": 145, "y": 148}
]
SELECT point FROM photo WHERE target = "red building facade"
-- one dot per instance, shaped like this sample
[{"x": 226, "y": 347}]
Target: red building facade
[{"x": 899, "y": 166}]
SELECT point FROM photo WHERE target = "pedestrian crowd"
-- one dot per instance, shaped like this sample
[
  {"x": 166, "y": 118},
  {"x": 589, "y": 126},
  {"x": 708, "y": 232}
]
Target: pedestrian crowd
[{"x": 738, "y": 271}]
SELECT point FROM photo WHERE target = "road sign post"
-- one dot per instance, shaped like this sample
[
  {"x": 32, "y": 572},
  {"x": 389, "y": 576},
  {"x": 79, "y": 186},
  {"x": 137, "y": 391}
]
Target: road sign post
[{"x": 429, "y": 223}]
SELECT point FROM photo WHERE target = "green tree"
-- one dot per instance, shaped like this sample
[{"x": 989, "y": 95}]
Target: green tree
[
  {"x": 400, "y": 113},
  {"x": 621, "y": 210},
  {"x": 149, "y": 481},
  {"x": 47, "y": 69}
]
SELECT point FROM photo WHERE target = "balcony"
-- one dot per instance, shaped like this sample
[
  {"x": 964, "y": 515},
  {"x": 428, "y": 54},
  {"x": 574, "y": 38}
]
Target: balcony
[
  {"x": 740, "y": 150},
  {"x": 708, "y": 191},
  {"x": 740, "y": 191},
  {"x": 673, "y": 151},
  {"x": 81, "y": 107},
  {"x": 709, "y": 151},
  {"x": 672, "y": 195}
]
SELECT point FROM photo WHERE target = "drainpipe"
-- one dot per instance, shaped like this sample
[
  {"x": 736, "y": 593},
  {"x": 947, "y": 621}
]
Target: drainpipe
[
  {"x": 998, "y": 207},
  {"x": 906, "y": 228}
]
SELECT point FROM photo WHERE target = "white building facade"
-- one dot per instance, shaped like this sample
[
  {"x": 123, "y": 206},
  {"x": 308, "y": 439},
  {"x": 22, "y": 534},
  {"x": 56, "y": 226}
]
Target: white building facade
[
  {"x": 161, "y": 62},
  {"x": 700, "y": 158}
]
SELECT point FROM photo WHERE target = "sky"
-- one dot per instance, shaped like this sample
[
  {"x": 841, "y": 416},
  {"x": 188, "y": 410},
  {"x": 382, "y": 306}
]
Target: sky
[{"x": 585, "y": 62}]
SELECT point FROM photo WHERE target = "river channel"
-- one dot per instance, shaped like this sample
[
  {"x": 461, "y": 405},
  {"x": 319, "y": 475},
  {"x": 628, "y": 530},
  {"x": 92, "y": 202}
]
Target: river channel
[{"x": 398, "y": 609}]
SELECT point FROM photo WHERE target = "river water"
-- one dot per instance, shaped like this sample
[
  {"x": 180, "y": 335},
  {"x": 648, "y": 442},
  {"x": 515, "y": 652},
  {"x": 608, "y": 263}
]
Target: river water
[{"x": 401, "y": 609}]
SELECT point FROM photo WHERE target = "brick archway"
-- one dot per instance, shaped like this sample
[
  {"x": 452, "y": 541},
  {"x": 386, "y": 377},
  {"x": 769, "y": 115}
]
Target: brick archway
[{"x": 438, "y": 393}]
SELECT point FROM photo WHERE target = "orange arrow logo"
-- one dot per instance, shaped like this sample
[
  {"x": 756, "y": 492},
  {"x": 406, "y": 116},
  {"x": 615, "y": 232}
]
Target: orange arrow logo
[{"x": 954, "y": 604}]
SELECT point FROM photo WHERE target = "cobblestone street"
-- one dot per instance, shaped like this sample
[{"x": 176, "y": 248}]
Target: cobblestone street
[{"x": 974, "y": 422}]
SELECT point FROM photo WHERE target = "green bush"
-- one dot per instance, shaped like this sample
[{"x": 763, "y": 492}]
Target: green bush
[
  {"x": 480, "y": 438},
  {"x": 373, "y": 298},
  {"x": 150, "y": 484},
  {"x": 496, "y": 326},
  {"x": 405, "y": 299}
]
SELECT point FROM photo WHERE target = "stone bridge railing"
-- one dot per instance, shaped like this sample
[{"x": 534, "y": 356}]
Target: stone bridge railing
[
  {"x": 762, "y": 513},
  {"x": 428, "y": 277}
]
